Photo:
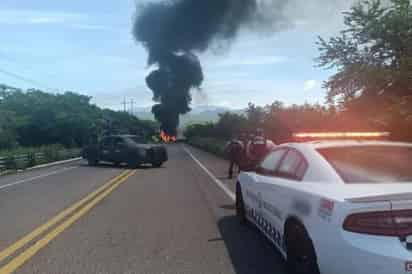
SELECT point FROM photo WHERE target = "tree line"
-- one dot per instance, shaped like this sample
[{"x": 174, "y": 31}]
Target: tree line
[
  {"x": 33, "y": 118},
  {"x": 280, "y": 122},
  {"x": 371, "y": 89}
]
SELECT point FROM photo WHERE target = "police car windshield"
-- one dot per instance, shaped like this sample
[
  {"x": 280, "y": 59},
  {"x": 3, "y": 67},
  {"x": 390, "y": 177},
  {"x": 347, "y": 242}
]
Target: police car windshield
[{"x": 371, "y": 164}]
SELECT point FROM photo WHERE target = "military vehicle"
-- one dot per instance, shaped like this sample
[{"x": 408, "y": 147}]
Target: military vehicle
[{"x": 129, "y": 149}]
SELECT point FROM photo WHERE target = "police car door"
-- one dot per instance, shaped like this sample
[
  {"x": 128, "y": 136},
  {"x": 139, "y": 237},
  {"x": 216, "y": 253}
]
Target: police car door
[
  {"x": 264, "y": 215},
  {"x": 280, "y": 199}
]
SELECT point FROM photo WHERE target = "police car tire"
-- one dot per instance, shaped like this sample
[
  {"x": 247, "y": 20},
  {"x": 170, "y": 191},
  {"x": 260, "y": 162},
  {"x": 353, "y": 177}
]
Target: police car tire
[
  {"x": 301, "y": 255},
  {"x": 240, "y": 207}
]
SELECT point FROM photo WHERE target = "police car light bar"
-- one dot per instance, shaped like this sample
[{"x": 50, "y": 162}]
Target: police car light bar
[{"x": 337, "y": 135}]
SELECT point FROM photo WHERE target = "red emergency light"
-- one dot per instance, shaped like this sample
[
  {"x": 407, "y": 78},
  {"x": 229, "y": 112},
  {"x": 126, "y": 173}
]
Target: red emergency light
[{"x": 340, "y": 135}]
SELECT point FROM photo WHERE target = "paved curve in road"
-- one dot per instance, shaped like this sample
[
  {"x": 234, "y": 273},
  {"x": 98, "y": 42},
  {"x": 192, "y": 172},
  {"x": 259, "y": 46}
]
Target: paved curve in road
[{"x": 175, "y": 219}]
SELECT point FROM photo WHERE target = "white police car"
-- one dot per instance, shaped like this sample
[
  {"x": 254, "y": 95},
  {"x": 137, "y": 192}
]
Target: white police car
[{"x": 334, "y": 207}]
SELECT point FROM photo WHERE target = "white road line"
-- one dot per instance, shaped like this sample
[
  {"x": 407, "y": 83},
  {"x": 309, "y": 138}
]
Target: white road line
[
  {"x": 55, "y": 163},
  {"x": 216, "y": 180},
  {"x": 31, "y": 179}
]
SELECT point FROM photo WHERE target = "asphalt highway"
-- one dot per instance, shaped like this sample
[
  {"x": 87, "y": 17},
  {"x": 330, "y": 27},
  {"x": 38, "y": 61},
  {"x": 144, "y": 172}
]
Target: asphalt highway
[{"x": 180, "y": 218}]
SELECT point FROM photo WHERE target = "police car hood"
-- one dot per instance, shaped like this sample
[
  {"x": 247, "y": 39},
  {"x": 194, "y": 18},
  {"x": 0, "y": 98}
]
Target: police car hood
[{"x": 362, "y": 192}]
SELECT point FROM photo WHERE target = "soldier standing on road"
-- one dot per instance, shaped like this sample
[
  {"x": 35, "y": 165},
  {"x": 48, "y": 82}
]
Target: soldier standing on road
[
  {"x": 258, "y": 147},
  {"x": 234, "y": 150}
]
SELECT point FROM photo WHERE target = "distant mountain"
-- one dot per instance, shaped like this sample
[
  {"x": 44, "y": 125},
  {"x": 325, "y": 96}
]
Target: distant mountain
[
  {"x": 199, "y": 114},
  {"x": 202, "y": 109},
  {"x": 144, "y": 113}
]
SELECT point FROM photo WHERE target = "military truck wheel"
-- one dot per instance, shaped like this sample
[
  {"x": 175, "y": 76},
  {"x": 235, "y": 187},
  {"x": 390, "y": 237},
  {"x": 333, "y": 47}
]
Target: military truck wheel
[
  {"x": 92, "y": 162},
  {"x": 157, "y": 164},
  {"x": 133, "y": 164}
]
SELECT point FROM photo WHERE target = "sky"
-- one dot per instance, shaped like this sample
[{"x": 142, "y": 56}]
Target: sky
[{"x": 88, "y": 47}]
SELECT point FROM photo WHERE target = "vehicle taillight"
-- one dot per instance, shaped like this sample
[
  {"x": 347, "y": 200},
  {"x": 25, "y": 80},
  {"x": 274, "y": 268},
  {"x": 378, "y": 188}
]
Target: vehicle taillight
[
  {"x": 387, "y": 223},
  {"x": 403, "y": 222}
]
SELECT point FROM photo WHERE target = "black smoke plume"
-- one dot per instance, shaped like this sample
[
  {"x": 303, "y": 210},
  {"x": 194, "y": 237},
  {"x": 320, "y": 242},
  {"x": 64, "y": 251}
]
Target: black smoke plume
[{"x": 172, "y": 32}]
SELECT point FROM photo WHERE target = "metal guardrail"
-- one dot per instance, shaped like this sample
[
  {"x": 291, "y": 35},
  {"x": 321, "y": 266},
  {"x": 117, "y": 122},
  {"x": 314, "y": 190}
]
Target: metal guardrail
[
  {"x": 2, "y": 163},
  {"x": 26, "y": 160}
]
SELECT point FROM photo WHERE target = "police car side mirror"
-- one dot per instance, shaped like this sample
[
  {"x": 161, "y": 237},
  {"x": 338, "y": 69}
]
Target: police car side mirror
[
  {"x": 258, "y": 169},
  {"x": 251, "y": 169}
]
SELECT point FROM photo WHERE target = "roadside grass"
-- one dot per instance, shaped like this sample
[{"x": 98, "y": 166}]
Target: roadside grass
[{"x": 25, "y": 157}]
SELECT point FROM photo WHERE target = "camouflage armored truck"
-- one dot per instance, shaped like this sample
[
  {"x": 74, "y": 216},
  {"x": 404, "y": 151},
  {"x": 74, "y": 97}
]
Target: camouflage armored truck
[{"x": 129, "y": 149}]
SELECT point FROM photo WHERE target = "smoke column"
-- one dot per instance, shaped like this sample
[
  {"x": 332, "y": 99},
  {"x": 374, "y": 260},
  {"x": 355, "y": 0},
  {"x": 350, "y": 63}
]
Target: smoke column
[{"x": 174, "y": 31}]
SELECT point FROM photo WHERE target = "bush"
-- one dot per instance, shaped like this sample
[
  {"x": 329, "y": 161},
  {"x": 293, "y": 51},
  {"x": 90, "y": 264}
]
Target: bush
[
  {"x": 21, "y": 158},
  {"x": 51, "y": 153},
  {"x": 212, "y": 145},
  {"x": 10, "y": 162},
  {"x": 31, "y": 159}
]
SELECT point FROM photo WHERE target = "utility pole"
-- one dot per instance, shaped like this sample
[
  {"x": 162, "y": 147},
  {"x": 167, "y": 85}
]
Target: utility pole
[
  {"x": 124, "y": 103},
  {"x": 132, "y": 106}
]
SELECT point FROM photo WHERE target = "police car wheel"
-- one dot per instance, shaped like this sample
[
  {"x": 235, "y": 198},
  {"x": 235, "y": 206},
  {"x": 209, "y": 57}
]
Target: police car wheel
[
  {"x": 301, "y": 256},
  {"x": 240, "y": 207}
]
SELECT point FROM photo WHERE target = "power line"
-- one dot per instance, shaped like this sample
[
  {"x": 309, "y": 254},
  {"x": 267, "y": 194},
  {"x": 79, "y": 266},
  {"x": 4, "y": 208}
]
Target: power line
[
  {"x": 27, "y": 67},
  {"x": 25, "y": 79},
  {"x": 128, "y": 105}
]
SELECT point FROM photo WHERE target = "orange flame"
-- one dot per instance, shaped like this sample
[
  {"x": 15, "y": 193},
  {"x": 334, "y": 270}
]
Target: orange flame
[{"x": 167, "y": 138}]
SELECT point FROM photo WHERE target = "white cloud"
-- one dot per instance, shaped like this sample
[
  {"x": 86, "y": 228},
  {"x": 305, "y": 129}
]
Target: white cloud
[
  {"x": 24, "y": 17},
  {"x": 30, "y": 17},
  {"x": 263, "y": 60},
  {"x": 245, "y": 61},
  {"x": 237, "y": 93},
  {"x": 310, "y": 85},
  {"x": 90, "y": 27},
  {"x": 44, "y": 20}
]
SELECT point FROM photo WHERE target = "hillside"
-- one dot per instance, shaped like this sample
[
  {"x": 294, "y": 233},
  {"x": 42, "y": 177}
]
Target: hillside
[{"x": 200, "y": 114}]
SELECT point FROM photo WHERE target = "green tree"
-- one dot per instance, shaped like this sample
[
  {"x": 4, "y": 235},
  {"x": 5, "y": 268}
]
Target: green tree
[
  {"x": 35, "y": 118},
  {"x": 230, "y": 124},
  {"x": 255, "y": 116},
  {"x": 200, "y": 130},
  {"x": 373, "y": 59},
  {"x": 7, "y": 129},
  {"x": 277, "y": 120},
  {"x": 373, "y": 54}
]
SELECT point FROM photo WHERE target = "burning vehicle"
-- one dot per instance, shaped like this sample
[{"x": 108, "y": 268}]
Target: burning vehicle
[{"x": 167, "y": 138}]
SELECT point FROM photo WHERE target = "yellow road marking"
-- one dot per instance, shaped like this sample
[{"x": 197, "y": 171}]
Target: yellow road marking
[
  {"x": 23, "y": 257},
  {"x": 41, "y": 229}
]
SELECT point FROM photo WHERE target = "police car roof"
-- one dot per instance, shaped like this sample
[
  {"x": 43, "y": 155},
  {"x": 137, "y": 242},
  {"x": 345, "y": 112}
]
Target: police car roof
[{"x": 346, "y": 143}]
